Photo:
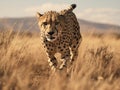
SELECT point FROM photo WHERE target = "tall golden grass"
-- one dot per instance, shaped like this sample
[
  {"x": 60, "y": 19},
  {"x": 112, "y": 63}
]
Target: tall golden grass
[{"x": 23, "y": 63}]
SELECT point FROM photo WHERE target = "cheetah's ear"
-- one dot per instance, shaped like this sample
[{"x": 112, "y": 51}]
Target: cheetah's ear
[{"x": 38, "y": 15}]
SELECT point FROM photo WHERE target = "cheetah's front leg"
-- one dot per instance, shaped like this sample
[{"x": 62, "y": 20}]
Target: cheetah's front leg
[
  {"x": 65, "y": 58},
  {"x": 52, "y": 62}
]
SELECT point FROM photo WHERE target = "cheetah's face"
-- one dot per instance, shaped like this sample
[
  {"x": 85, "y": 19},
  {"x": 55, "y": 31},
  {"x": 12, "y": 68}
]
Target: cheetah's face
[{"x": 50, "y": 25}]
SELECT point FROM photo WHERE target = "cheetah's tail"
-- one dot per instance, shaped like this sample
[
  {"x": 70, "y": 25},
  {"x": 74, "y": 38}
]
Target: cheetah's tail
[{"x": 72, "y": 7}]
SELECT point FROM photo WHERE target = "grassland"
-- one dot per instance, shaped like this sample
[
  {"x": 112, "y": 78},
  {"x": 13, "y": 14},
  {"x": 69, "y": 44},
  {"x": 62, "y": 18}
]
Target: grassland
[{"x": 23, "y": 63}]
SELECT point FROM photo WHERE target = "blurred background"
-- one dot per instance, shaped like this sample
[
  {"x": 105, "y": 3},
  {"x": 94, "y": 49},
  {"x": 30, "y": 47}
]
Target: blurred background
[
  {"x": 103, "y": 11},
  {"x": 100, "y": 15}
]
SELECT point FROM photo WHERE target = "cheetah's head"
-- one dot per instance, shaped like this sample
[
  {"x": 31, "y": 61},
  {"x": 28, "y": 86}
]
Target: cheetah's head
[{"x": 51, "y": 25}]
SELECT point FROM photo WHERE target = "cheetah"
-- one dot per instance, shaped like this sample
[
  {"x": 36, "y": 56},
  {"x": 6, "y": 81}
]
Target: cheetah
[{"x": 60, "y": 33}]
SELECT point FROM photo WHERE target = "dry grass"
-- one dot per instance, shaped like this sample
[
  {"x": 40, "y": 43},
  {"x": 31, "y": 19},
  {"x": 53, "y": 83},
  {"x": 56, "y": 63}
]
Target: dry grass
[{"x": 23, "y": 64}]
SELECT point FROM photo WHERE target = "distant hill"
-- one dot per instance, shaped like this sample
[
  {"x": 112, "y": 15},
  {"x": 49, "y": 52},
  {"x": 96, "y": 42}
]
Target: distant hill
[
  {"x": 87, "y": 25},
  {"x": 30, "y": 24}
]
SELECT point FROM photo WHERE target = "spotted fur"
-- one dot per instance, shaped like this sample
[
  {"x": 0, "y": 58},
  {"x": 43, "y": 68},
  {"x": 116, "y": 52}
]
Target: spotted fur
[{"x": 60, "y": 32}]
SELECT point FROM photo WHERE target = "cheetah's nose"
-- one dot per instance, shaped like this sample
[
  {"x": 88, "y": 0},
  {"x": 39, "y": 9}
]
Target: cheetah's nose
[{"x": 51, "y": 33}]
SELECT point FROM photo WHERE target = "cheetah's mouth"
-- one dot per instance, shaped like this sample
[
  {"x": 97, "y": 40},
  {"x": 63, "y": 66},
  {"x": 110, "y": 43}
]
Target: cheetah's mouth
[{"x": 51, "y": 38}]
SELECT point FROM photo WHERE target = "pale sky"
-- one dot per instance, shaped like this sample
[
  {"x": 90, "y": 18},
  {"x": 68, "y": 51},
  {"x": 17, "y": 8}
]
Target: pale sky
[{"x": 104, "y": 11}]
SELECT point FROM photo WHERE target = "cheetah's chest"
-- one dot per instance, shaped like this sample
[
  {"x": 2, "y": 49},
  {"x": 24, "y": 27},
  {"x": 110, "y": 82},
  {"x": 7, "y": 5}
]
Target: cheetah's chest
[{"x": 58, "y": 46}]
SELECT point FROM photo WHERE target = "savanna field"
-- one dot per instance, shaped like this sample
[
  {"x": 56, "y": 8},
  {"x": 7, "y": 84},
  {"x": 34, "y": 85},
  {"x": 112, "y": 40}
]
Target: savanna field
[{"x": 24, "y": 66}]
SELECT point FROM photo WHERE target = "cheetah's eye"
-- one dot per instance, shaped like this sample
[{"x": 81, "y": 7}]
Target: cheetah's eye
[
  {"x": 45, "y": 23},
  {"x": 56, "y": 23}
]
